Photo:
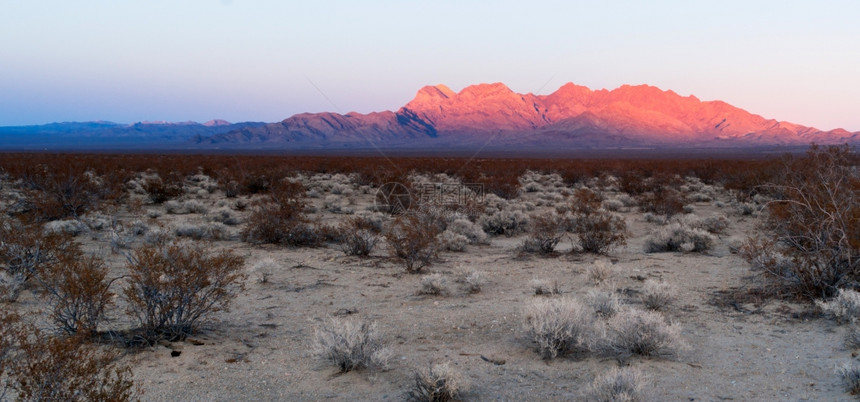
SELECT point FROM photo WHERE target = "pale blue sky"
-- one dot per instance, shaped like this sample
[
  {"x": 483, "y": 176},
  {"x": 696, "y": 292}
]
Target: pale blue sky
[{"x": 239, "y": 60}]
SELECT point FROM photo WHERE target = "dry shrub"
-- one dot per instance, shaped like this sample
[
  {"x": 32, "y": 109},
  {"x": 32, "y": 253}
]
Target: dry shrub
[
  {"x": 171, "y": 287},
  {"x": 473, "y": 281},
  {"x": 471, "y": 231},
  {"x": 280, "y": 220},
  {"x": 543, "y": 287},
  {"x": 434, "y": 284},
  {"x": 204, "y": 231},
  {"x": 599, "y": 271},
  {"x": 678, "y": 237},
  {"x": 451, "y": 241},
  {"x": 664, "y": 201},
  {"x": 24, "y": 249},
  {"x": 658, "y": 295},
  {"x": 852, "y": 337},
  {"x": 38, "y": 367},
  {"x": 9, "y": 329},
  {"x": 264, "y": 269},
  {"x": 350, "y": 344},
  {"x": 643, "y": 333},
  {"x": 505, "y": 222},
  {"x": 845, "y": 307},
  {"x": 547, "y": 231},
  {"x": 604, "y": 303},
  {"x": 439, "y": 383},
  {"x": 617, "y": 385},
  {"x": 850, "y": 376},
  {"x": 185, "y": 207},
  {"x": 160, "y": 190},
  {"x": 597, "y": 230},
  {"x": 557, "y": 326},
  {"x": 357, "y": 236},
  {"x": 56, "y": 194},
  {"x": 815, "y": 222},
  {"x": 413, "y": 240},
  {"x": 79, "y": 293}
]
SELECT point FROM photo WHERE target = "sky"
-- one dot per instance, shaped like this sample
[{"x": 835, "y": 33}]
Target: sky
[{"x": 244, "y": 60}]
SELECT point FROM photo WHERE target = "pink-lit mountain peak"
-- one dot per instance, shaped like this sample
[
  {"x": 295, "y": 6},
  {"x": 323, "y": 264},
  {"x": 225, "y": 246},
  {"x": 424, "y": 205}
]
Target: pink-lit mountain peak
[{"x": 573, "y": 115}]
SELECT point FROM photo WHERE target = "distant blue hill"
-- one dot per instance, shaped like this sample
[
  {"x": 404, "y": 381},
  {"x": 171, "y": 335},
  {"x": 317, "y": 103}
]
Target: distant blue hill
[{"x": 102, "y": 135}]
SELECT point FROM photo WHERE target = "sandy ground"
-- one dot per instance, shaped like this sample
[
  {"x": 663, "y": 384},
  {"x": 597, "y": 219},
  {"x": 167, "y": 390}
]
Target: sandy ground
[{"x": 260, "y": 349}]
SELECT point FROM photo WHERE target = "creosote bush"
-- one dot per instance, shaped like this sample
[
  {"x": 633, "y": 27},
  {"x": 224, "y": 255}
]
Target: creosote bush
[
  {"x": 279, "y": 219},
  {"x": 40, "y": 367},
  {"x": 439, "y": 383},
  {"x": 546, "y": 232},
  {"x": 597, "y": 230},
  {"x": 171, "y": 287},
  {"x": 814, "y": 221},
  {"x": 25, "y": 249},
  {"x": 79, "y": 294},
  {"x": 557, "y": 326},
  {"x": 413, "y": 241},
  {"x": 350, "y": 344},
  {"x": 358, "y": 236}
]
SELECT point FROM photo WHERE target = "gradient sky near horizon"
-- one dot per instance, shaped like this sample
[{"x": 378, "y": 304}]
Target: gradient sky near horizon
[{"x": 244, "y": 60}]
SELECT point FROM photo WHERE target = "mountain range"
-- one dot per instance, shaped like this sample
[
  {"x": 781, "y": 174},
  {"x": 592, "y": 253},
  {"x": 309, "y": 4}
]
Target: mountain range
[{"x": 488, "y": 116}]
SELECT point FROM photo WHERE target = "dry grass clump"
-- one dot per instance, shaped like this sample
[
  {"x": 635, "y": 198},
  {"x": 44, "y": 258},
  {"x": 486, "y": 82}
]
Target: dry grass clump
[
  {"x": 439, "y": 383},
  {"x": 472, "y": 231},
  {"x": 204, "y": 231},
  {"x": 434, "y": 284},
  {"x": 643, "y": 333},
  {"x": 72, "y": 227},
  {"x": 852, "y": 337},
  {"x": 543, "y": 287},
  {"x": 171, "y": 287},
  {"x": 658, "y": 295},
  {"x": 845, "y": 307},
  {"x": 350, "y": 344},
  {"x": 263, "y": 270},
  {"x": 604, "y": 303},
  {"x": 226, "y": 216},
  {"x": 174, "y": 207},
  {"x": 413, "y": 241},
  {"x": 557, "y": 326},
  {"x": 617, "y": 385},
  {"x": 599, "y": 271},
  {"x": 678, "y": 237},
  {"x": 451, "y": 241},
  {"x": 474, "y": 281},
  {"x": 504, "y": 222},
  {"x": 850, "y": 376}
]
